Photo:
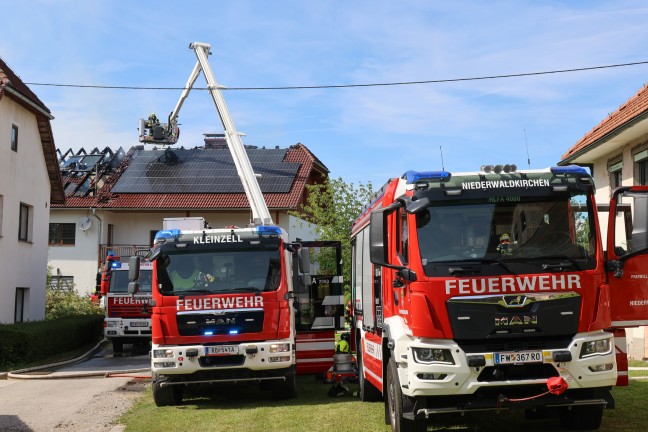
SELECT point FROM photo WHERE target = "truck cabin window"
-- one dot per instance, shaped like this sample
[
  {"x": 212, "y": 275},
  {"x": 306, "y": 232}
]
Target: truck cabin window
[
  {"x": 508, "y": 228},
  {"x": 119, "y": 281},
  {"x": 219, "y": 272}
]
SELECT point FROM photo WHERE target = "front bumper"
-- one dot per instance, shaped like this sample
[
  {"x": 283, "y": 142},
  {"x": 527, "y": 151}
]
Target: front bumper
[
  {"x": 127, "y": 328},
  {"x": 248, "y": 359},
  {"x": 484, "y": 373}
]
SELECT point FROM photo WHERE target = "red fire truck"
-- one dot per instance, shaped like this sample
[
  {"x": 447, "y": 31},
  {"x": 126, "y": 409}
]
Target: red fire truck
[
  {"x": 128, "y": 317},
  {"x": 493, "y": 290},
  {"x": 224, "y": 299}
]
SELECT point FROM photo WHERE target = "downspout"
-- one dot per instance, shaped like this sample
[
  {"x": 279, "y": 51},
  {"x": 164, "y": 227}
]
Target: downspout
[{"x": 94, "y": 213}]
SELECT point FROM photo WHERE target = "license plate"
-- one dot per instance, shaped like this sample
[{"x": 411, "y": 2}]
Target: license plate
[
  {"x": 222, "y": 350},
  {"x": 518, "y": 357},
  {"x": 139, "y": 324}
]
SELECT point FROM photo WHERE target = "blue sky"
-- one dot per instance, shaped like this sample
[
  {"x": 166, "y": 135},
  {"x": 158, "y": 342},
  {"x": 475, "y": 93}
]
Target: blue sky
[{"x": 366, "y": 134}]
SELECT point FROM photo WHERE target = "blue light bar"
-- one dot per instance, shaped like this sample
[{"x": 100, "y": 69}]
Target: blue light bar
[
  {"x": 268, "y": 230},
  {"x": 208, "y": 333},
  {"x": 233, "y": 332},
  {"x": 115, "y": 264},
  {"x": 415, "y": 176},
  {"x": 569, "y": 169},
  {"x": 167, "y": 235}
]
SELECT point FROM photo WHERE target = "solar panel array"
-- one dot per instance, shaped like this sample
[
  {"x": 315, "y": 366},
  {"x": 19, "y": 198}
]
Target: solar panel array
[{"x": 204, "y": 171}]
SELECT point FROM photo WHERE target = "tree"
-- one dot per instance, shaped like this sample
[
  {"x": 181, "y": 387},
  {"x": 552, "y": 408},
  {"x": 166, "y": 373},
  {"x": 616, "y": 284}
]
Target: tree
[{"x": 332, "y": 207}]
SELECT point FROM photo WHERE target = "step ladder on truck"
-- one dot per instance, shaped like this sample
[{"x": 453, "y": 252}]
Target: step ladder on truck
[{"x": 224, "y": 298}]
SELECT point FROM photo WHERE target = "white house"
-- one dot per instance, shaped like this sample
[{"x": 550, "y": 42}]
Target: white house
[
  {"x": 117, "y": 201},
  {"x": 616, "y": 151},
  {"x": 29, "y": 183}
]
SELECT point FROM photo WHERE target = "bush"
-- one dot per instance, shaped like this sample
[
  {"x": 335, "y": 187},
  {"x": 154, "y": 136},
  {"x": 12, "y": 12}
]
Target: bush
[
  {"x": 27, "y": 342},
  {"x": 67, "y": 303}
]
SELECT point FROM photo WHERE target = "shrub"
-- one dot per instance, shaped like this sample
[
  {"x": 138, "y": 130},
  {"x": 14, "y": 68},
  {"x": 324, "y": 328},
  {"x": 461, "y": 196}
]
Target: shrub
[
  {"x": 27, "y": 342},
  {"x": 68, "y": 303}
]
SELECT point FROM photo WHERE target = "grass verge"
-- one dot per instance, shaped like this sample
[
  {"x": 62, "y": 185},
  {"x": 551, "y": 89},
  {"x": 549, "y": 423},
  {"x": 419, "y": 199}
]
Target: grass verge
[{"x": 247, "y": 408}]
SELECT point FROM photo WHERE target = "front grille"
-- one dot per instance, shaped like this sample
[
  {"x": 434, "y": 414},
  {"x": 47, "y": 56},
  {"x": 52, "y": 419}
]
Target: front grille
[
  {"x": 220, "y": 361},
  {"x": 517, "y": 372},
  {"x": 220, "y": 323},
  {"x": 128, "y": 311},
  {"x": 502, "y": 345}
]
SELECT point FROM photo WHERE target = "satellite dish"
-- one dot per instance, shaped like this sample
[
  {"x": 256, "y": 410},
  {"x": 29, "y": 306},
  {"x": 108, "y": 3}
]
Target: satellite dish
[{"x": 85, "y": 223}]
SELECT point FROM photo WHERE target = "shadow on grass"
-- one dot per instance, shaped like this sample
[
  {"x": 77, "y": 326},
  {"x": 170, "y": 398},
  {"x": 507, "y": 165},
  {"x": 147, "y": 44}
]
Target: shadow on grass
[{"x": 311, "y": 390}]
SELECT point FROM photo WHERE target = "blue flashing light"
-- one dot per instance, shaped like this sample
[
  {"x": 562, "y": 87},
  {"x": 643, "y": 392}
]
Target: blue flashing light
[
  {"x": 268, "y": 230},
  {"x": 167, "y": 235},
  {"x": 569, "y": 169},
  {"x": 233, "y": 332},
  {"x": 416, "y": 176},
  {"x": 115, "y": 264},
  {"x": 208, "y": 333}
]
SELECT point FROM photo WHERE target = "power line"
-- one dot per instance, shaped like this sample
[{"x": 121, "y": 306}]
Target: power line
[{"x": 332, "y": 86}]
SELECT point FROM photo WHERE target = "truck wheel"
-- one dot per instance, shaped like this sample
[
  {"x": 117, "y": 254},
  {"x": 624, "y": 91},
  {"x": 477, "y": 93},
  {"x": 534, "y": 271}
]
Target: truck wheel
[
  {"x": 394, "y": 401},
  {"x": 286, "y": 389},
  {"x": 118, "y": 346},
  {"x": 166, "y": 396},
  {"x": 366, "y": 390},
  {"x": 586, "y": 417}
]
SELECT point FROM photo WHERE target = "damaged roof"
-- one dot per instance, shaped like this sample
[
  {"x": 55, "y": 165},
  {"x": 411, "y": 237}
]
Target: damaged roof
[{"x": 179, "y": 178}]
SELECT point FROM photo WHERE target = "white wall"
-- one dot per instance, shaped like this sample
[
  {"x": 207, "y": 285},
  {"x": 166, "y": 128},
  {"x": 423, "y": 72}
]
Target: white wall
[{"x": 23, "y": 179}]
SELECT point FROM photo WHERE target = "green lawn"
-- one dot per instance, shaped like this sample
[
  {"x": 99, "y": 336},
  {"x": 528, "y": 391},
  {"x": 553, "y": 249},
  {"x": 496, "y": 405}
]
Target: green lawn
[{"x": 245, "y": 408}]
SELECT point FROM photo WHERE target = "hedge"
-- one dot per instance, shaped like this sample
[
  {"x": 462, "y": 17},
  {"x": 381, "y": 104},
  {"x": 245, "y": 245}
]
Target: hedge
[{"x": 24, "y": 343}]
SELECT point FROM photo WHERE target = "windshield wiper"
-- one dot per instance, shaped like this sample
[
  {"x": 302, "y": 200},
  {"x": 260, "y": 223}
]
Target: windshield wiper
[
  {"x": 465, "y": 269},
  {"x": 501, "y": 263},
  {"x": 244, "y": 289},
  {"x": 561, "y": 266}
]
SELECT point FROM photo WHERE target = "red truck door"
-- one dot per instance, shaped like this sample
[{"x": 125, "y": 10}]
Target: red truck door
[{"x": 627, "y": 256}]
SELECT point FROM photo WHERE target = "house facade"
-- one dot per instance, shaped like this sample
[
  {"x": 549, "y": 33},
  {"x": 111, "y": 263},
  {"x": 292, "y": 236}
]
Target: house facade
[
  {"x": 30, "y": 183},
  {"x": 117, "y": 200},
  {"x": 616, "y": 151}
]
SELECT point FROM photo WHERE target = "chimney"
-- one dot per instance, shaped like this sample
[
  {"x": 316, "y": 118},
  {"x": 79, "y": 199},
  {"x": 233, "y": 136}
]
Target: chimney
[{"x": 215, "y": 141}]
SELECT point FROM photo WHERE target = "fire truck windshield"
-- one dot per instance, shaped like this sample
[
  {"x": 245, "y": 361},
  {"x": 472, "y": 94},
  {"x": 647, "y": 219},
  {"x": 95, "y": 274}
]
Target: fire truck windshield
[
  {"x": 218, "y": 271},
  {"x": 119, "y": 281},
  {"x": 508, "y": 228}
]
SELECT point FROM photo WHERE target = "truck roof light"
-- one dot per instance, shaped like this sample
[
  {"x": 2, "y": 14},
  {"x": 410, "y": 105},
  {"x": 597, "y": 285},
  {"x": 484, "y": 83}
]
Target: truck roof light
[
  {"x": 416, "y": 176},
  {"x": 167, "y": 235},
  {"x": 115, "y": 264},
  {"x": 498, "y": 169},
  {"x": 569, "y": 169},
  {"x": 268, "y": 230}
]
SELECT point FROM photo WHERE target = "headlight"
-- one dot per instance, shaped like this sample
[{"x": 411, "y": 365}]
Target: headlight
[
  {"x": 282, "y": 347},
  {"x": 433, "y": 355},
  {"x": 111, "y": 323},
  {"x": 597, "y": 347},
  {"x": 162, "y": 353}
]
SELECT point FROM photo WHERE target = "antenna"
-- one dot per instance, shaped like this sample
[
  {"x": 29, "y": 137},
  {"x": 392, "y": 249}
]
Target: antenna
[
  {"x": 527, "y": 149},
  {"x": 441, "y": 151}
]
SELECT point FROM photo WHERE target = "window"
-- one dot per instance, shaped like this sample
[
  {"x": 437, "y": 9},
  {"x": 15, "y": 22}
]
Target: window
[
  {"x": 640, "y": 159},
  {"x": 615, "y": 170},
  {"x": 24, "y": 226},
  {"x": 14, "y": 137},
  {"x": 21, "y": 303},
  {"x": 61, "y": 234}
]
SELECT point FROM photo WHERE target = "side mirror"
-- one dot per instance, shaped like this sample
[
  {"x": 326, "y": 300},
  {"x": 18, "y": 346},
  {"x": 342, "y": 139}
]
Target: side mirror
[
  {"x": 379, "y": 236},
  {"x": 303, "y": 254},
  {"x": 133, "y": 274}
]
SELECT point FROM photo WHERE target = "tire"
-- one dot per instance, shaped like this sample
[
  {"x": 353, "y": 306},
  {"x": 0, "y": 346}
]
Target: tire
[
  {"x": 118, "y": 346},
  {"x": 166, "y": 396},
  {"x": 366, "y": 390},
  {"x": 585, "y": 417},
  {"x": 394, "y": 401},
  {"x": 286, "y": 389}
]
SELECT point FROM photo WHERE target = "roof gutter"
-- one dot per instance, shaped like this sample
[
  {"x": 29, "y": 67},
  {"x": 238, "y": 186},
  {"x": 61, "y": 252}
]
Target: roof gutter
[
  {"x": 608, "y": 136},
  {"x": 28, "y": 101}
]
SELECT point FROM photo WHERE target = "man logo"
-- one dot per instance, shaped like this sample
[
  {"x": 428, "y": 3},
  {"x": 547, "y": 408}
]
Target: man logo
[{"x": 514, "y": 301}]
